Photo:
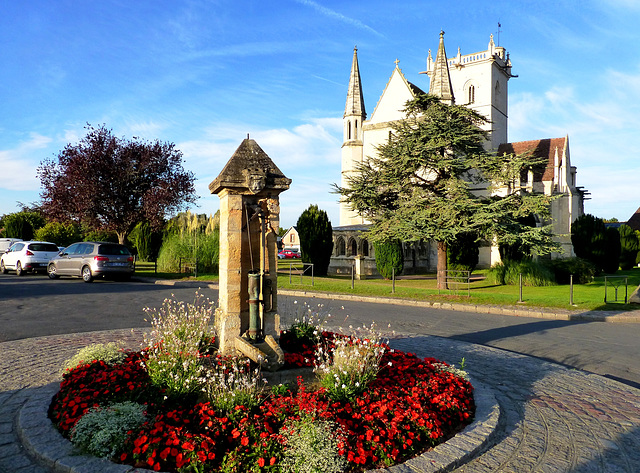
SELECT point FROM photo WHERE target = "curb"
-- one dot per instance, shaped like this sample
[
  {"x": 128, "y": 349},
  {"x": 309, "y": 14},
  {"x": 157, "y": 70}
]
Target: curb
[
  {"x": 534, "y": 312},
  {"x": 49, "y": 448}
]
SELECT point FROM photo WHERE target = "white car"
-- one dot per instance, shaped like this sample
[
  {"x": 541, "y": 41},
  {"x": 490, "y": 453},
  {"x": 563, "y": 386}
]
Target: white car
[{"x": 27, "y": 256}]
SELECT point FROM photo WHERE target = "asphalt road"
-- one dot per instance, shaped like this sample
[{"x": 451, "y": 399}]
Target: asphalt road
[{"x": 34, "y": 306}]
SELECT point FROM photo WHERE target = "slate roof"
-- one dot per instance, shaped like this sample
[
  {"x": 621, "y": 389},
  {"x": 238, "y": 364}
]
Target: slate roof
[
  {"x": 537, "y": 148},
  {"x": 634, "y": 221}
]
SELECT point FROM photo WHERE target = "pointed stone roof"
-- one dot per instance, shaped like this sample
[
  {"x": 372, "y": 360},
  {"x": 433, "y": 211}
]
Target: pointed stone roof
[
  {"x": 440, "y": 85},
  {"x": 355, "y": 99},
  {"x": 250, "y": 163},
  {"x": 634, "y": 221}
]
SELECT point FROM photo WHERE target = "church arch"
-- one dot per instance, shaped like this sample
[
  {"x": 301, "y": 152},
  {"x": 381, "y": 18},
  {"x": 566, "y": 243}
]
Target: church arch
[
  {"x": 365, "y": 247},
  {"x": 340, "y": 247},
  {"x": 352, "y": 248}
]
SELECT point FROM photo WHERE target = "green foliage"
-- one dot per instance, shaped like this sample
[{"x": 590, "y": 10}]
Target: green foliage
[
  {"x": 533, "y": 273},
  {"x": 111, "y": 353},
  {"x": 629, "y": 247},
  {"x": 100, "y": 235},
  {"x": 313, "y": 446},
  {"x": 583, "y": 271},
  {"x": 316, "y": 238},
  {"x": 146, "y": 241},
  {"x": 22, "y": 224},
  {"x": 389, "y": 257},
  {"x": 102, "y": 432},
  {"x": 59, "y": 233},
  {"x": 589, "y": 241},
  {"x": 463, "y": 253},
  {"x": 611, "y": 261}
]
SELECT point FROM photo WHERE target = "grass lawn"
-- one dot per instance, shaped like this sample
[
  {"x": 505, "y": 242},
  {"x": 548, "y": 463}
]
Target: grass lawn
[{"x": 585, "y": 296}]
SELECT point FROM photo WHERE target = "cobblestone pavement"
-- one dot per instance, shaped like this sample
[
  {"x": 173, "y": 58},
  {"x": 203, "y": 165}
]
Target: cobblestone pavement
[{"x": 552, "y": 419}]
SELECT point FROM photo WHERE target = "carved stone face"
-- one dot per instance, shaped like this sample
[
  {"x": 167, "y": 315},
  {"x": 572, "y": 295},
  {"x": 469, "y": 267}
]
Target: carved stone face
[{"x": 256, "y": 183}]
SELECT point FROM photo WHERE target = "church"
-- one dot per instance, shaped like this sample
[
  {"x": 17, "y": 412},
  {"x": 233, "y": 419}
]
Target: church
[{"x": 479, "y": 81}]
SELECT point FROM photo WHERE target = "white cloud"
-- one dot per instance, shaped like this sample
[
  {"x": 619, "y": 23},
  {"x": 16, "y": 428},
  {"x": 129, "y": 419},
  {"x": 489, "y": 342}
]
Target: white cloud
[
  {"x": 339, "y": 16},
  {"x": 19, "y": 164}
]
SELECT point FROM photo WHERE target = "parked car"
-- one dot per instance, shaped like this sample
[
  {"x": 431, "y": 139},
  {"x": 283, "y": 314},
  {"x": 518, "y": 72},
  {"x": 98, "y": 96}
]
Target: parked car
[
  {"x": 91, "y": 259},
  {"x": 27, "y": 256},
  {"x": 289, "y": 253},
  {"x": 5, "y": 243}
]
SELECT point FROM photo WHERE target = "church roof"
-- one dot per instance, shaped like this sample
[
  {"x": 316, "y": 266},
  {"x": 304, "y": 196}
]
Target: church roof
[
  {"x": 440, "y": 85},
  {"x": 355, "y": 99},
  {"x": 545, "y": 148},
  {"x": 634, "y": 221}
]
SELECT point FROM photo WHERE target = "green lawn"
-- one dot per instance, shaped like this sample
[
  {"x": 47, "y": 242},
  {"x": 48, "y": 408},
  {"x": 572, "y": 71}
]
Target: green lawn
[{"x": 585, "y": 297}]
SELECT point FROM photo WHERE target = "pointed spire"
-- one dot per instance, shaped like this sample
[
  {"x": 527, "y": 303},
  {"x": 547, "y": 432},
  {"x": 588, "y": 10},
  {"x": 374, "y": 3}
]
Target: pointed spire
[
  {"x": 355, "y": 100},
  {"x": 440, "y": 80}
]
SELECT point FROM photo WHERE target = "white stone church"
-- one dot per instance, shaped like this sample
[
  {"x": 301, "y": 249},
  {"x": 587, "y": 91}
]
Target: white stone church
[{"x": 480, "y": 82}]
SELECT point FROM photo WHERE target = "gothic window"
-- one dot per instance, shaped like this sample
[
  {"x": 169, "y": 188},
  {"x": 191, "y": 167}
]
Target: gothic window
[
  {"x": 340, "y": 247},
  {"x": 365, "y": 248},
  {"x": 353, "y": 248},
  {"x": 472, "y": 94}
]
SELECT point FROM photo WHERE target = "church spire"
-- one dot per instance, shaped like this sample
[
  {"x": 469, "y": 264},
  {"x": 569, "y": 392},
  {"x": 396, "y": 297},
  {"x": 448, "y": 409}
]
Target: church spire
[
  {"x": 440, "y": 80},
  {"x": 355, "y": 100}
]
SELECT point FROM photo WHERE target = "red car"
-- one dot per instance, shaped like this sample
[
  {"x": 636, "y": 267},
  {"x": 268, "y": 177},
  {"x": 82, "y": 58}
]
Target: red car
[{"x": 289, "y": 253}]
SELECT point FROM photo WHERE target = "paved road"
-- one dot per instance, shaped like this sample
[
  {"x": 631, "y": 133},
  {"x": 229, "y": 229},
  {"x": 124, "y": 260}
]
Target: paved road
[{"x": 35, "y": 306}]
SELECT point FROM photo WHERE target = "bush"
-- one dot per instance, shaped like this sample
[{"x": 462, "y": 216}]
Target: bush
[
  {"x": 583, "y": 271},
  {"x": 111, "y": 353},
  {"x": 22, "y": 225},
  {"x": 58, "y": 233},
  {"x": 389, "y": 257},
  {"x": 534, "y": 274},
  {"x": 589, "y": 240},
  {"x": 463, "y": 253},
  {"x": 611, "y": 261},
  {"x": 313, "y": 446},
  {"x": 189, "y": 247},
  {"x": 179, "y": 332},
  {"x": 100, "y": 235},
  {"x": 316, "y": 239},
  {"x": 102, "y": 432},
  {"x": 629, "y": 246}
]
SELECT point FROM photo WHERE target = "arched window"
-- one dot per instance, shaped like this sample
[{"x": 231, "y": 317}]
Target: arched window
[
  {"x": 355, "y": 130},
  {"x": 354, "y": 248},
  {"x": 472, "y": 93},
  {"x": 340, "y": 247},
  {"x": 365, "y": 248},
  {"x": 348, "y": 130}
]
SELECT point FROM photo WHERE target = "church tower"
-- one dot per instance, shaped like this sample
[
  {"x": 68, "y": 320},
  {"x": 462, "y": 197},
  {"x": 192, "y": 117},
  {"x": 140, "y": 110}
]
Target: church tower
[
  {"x": 352, "y": 146},
  {"x": 480, "y": 82}
]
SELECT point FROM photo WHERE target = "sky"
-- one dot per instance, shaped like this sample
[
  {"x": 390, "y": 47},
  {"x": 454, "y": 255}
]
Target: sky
[{"x": 203, "y": 74}]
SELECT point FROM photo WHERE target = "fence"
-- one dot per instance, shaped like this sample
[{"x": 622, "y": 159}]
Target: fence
[{"x": 456, "y": 281}]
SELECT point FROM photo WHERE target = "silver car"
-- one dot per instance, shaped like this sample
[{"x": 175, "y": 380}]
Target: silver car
[
  {"x": 91, "y": 259},
  {"x": 27, "y": 256}
]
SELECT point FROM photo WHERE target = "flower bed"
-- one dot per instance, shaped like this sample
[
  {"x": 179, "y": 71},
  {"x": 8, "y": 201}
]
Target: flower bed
[{"x": 412, "y": 405}]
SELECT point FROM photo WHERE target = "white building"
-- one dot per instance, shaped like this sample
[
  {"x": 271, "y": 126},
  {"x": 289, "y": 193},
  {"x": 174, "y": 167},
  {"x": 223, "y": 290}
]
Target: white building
[{"x": 480, "y": 82}]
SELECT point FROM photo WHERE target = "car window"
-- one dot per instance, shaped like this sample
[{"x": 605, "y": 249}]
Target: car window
[
  {"x": 86, "y": 249},
  {"x": 72, "y": 249},
  {"x": 43, "y": 247},
  {"x": 17, "y": 247},
  {"x": 113, "y": 250}
]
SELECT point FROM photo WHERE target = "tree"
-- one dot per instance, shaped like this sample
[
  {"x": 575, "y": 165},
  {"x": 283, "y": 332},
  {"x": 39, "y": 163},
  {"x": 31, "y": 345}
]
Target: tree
[
  {"x": 389, "y": 258},
  {"x": 59, "y": 233},
  {"x": 463, "y": 253},
  {"x": 611, "y": 261},
  {"x": 588, "y": 237},
  {"x": 433, "y": 180},
  {"x": 23, "y": 224},
  {"x": 629, "y": 246},
  {"x": 114, "y": 183},
  {"x": 316, "y": 238}
]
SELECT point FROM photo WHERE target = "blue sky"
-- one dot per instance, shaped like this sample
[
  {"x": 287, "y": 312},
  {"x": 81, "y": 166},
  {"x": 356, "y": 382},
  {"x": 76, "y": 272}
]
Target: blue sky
[{"x": 203, "y": 74}]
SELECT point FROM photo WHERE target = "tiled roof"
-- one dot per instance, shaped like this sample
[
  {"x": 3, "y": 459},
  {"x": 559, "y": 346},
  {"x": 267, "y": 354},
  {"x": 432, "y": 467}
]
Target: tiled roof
[{"x": 537, "y": 148}]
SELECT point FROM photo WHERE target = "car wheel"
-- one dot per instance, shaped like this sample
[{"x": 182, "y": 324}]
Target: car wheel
[
  {"x": 86, "y": 274},
  {"x": 3, "y": 270},
  {"x": 52, "y": 272},
  {"x": 19, "y": 270}
]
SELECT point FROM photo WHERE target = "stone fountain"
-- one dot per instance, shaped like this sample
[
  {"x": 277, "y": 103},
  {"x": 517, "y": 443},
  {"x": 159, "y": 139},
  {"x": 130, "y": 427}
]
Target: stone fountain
[{"x": 249, "y": 187}]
